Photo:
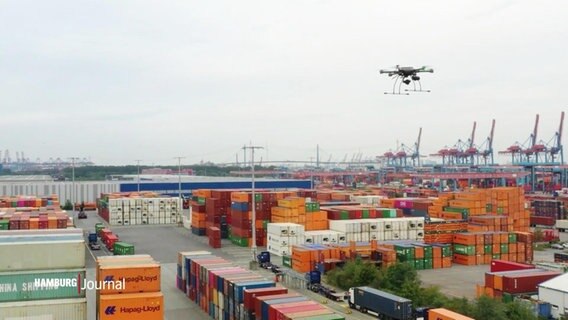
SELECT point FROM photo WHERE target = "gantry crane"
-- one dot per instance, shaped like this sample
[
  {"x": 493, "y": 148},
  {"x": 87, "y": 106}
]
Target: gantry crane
[
  {"x": 461, "y": 153},
  {"x": 405, "y": 156}
]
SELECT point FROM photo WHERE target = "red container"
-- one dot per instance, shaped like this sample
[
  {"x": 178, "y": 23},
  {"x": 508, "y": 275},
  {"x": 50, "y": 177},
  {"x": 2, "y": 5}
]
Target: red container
[
  {"x": 43, "y": 222},
  {"x": 282, "y": 309},
  {"x": 24, "y": 223},
  {"x": 250, "y": 294},
  {"x": 502, "y": 265},
  {"x": 103, "y": 233},
  {"x": 543, "y": 221},
  {"x": 15, "y": 223},
  {"x": 526, "y": 283},
  {"x": 258, "y": 300},
  {"x": 110, "y": 240}
]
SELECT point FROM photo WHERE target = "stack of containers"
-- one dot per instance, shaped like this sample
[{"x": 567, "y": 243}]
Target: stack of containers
[
  {"x": 139, "y": 294},
  {"x": 136, "y": 211},
  {"x": 442, "y": 231},
  {"x": 546, "y": 212},
  {"x": 486, "y": 223},
  {"x": 482, "y": 247},
  {"x": 506, "y": 285},
  {"x": 358, "y": 212},
  {"x": 315, "y": 218},
  {"x": 108, "y": 238},
  {"x": 282, "y": 236},
  {"x": 241, "y": 218},
  {"x": 215, "y": 284},
  {"x": 218, "y": 209},
  {"x": 380, "y": 229},
  {"x": 11, "y": 219},
  {"x": 324, "y": 237},
  {"x": 413, "y": 207},
  {"x": 372, "y": 200},
  {"x": 214, "y": 237},
  {"x": 51, "y": 202},
  {"x": 198, "y": 213},
  {"x": 41, "y": 273},
  {"x": 423, "y": 256},
  {"x": 291, "y": 209}
]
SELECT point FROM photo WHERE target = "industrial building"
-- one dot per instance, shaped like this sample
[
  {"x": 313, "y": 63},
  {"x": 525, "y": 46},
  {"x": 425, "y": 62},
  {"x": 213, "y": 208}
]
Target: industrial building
[
  {"x": 555, "y": 292},
  {"x": 89, "y": 191}
]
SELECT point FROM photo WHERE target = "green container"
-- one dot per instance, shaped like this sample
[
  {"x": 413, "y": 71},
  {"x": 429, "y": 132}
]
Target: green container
[
  {"x": 404, "y": 253},
  {"x": 316, "y": 206},
  {"x": 489, "y": 207},
  {"x": 504, "y": 248},
  {"x": 344, "y": 215},
  {"x": 241, "y": 242},
  {"x": 265, "y": 224},
  {"x": 465, "y": 250},
  {"x": 428, "y": 264},
  {"x": 39, "y": 285},
  {"x": 387, "y": 213},
  {"x": 287, "y": 261},
  {"x": 98, "y": 227},
  {"x": 488, "y": 249},
  {"x": 496, "y": 256},
  {"x": 428, "y": 252},
  {"x": 258, "y": 197},
  {"x": 201, "y": 200},
  {"x": 459, "y": 210},
  {"x": 507, "y": 297},
  {"x": 512, "y": 238},
  {"x": 419, "y": 264},
  {"x": 500, "y": 210},
  {"x": 123, "y": 249},
  {"x": 365, "y": 214},
  {"x": 4, "y": 224}
]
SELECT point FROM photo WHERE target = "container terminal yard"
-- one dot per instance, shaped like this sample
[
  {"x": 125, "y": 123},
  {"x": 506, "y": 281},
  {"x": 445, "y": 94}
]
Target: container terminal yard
[{"x": 313, "y": 160}]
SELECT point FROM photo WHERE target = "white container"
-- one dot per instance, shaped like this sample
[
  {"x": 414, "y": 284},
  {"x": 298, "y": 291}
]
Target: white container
[
  {"x": 279, "y": 250},
  {"x": 60, "y": 309},
  {"x": 42, "y": 255}
]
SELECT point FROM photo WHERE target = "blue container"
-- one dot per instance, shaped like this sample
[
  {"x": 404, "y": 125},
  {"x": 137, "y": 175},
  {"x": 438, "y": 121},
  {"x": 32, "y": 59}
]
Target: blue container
[
  {"x": 313, "y": 276},
  {"x": 544, "y": 310},
  {"x": 240, "y": 206},
  {"x": 240, "y": 288},
  {"x": 92, "y": 237},
  {"x": 267, "y": 303}
]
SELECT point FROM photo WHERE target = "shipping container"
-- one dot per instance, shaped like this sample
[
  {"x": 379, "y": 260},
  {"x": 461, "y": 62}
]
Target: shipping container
[
  {"x": 59, "y": 309},
  {"x": 370, "y": 299},
  {"x": 42, "y": 255},
  {"x": 38, "y": 285},
  {"x": 501, "y": 265},
  {"x": 137, "y": 277},
  {"x": 139, "y": 306},
  {"x": 123, "y": 248},
  {"x": 445, "y": 314}
]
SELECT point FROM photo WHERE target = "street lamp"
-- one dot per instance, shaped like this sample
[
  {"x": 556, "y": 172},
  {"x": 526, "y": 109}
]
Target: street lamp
[
  {"x": 179, "y": 183},
  {"x": 253, "y": 247}
]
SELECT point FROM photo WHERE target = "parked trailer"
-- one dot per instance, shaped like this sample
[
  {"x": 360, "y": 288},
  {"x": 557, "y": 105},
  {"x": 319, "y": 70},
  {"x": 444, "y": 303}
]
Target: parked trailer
[{"x": 383, "y": 303}]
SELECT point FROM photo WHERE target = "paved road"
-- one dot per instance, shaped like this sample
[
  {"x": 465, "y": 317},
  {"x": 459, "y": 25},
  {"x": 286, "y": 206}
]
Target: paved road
[{"x": 163, "y": 243}]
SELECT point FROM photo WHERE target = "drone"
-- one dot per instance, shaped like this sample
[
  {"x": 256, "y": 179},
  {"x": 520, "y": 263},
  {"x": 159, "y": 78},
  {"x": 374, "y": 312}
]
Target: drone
[{"x": 406, "y": 75}]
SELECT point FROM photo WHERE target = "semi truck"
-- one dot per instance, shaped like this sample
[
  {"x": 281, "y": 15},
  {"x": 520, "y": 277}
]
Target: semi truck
[{"x": 384, "y": 304}]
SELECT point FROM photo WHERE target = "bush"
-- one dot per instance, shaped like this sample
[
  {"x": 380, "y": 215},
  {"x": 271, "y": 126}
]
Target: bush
[{"x": 68, "y": 205}]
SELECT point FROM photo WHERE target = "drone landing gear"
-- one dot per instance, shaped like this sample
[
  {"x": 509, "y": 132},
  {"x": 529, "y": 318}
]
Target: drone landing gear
[
  {"x": 419, "y": 87},
  {"x": 396, "y": 80}
]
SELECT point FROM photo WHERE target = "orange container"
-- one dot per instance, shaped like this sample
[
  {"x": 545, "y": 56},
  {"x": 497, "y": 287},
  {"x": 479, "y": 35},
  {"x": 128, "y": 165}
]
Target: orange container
[
  {"x": 465, "y": 260},
  {"x": 137, "y": 278},
  {"x": 445, "y": 314},
  {"x": 447, "y": 262},
  {"x": 139, "y": 306}
]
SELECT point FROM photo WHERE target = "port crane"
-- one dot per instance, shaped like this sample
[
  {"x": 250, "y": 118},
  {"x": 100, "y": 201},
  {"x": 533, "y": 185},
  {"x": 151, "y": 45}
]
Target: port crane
[{"x": 405, "y": 156}]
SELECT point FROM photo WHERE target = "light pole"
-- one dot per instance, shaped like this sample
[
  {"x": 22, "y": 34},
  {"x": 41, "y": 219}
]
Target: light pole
[
  {"x": 253, "y": 247},
  {"x": 73, "y": 183},
  {"x": 138, "y": 165},
  {"x": 179, "y": 183}
]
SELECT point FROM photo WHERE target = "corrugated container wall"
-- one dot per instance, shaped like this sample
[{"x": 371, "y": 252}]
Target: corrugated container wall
[{"x": 63, "y": 309}]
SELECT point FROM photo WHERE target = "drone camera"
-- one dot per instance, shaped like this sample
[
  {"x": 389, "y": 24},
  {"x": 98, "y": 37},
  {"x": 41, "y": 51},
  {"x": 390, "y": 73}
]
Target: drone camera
[
  {"x": 415, "y": 78},
  {"x": 407, "y": 82}
]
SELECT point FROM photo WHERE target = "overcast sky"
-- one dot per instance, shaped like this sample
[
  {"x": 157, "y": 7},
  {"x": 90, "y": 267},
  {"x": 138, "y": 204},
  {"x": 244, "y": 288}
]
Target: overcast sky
[{"x": 123, "y": 80}]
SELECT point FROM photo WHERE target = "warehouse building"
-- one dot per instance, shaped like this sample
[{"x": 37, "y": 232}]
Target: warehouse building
[
  {"x": 89, "y": 191},
  {"x": 555, "y": 292}
]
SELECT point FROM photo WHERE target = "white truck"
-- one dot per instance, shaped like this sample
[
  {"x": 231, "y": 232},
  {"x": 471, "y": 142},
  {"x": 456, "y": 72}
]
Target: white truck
[{"x": 562, "y": 225}]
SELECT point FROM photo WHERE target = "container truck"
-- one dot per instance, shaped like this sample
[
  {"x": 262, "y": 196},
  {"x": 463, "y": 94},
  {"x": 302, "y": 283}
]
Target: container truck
[{"x": 384, "y": 304}]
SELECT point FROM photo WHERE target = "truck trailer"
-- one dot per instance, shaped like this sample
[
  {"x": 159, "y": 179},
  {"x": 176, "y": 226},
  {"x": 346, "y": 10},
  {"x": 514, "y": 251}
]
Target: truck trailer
[{"x": 386, "y": 305}]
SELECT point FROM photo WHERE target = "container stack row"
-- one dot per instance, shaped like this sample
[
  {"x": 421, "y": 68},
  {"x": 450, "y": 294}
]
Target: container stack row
[
  {"x": 139, "y": 208},
  {"x": 358, "y": 212},
  {"x": 224, "y": 291},
  {"x": 51, "y": 201},
  {"x": 482, "y": 247},
  {"x": 42, "y": 274},
  {"x": 546, "y": 212},
  {"x": 282, "y": 236},
  {"x": 506, "y": 285},
  {"x": 129, "y": 287},
  {"x": 10, "y": 219},
  {"x": 380, "y": 229}
]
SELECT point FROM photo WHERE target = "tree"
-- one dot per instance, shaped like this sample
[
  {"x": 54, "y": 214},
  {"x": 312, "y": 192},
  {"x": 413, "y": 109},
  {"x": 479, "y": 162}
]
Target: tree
[
  {"x": 353, "y": 274},
  {"x": 487, "y": 308},
  {"x": 519, "y": 311},
  {"x": 68, "y": 205}
]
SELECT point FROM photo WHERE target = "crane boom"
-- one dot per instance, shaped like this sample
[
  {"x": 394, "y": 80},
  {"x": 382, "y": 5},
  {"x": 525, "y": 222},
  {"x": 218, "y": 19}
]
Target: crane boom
[
  {"x": 490, "y": 144},
  {"x": 559, "y": 133},
  {"x": 472, "y": 135},
  {"x": 535, "y": 132}
]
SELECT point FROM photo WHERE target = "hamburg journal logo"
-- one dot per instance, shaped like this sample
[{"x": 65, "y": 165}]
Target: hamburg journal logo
[{"x": 80, "y": 283}]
